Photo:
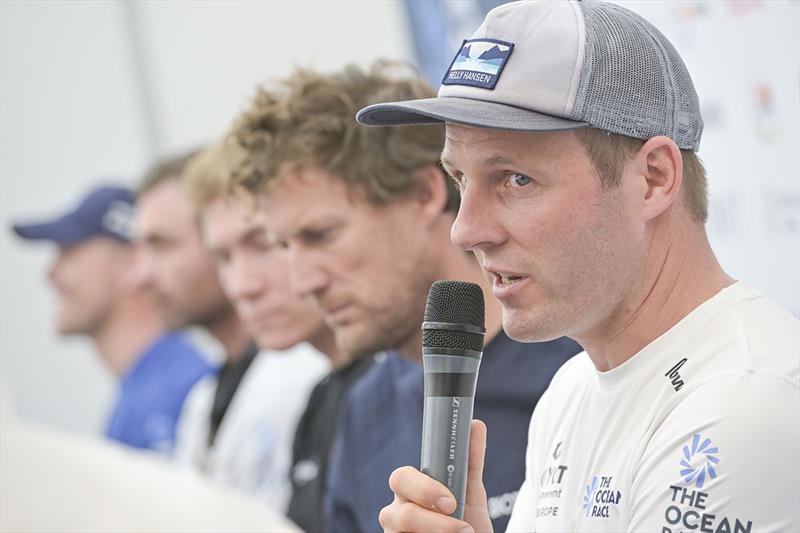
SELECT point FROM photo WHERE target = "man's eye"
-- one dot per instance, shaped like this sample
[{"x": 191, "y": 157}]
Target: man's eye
[
  {"x": 317, "y": 236},
  {"x": 221, "y": 258},
  {"x": 159, "y": 245},
  {"x": 263, "y": 245},
  {"x": 520, "y": 180}
]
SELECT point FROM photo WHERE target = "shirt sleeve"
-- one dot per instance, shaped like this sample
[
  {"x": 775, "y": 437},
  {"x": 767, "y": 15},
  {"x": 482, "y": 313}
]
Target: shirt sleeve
[{"x": 724, "y": 459}]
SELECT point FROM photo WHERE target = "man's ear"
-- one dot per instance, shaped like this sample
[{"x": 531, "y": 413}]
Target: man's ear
[
  {"x": 660, "y": 166},
  {"x": 430, "y": 191}
]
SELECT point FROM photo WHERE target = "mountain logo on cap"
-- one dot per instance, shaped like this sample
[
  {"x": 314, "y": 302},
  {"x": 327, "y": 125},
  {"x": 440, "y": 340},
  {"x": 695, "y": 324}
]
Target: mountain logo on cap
[{"x": 479, "y": 63}]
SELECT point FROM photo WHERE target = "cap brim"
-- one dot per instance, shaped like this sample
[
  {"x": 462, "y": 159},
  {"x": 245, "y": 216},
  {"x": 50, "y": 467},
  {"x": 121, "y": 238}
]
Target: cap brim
[
  {"x": 463, "y": 111},
  {"x": 58, "y": 231}
]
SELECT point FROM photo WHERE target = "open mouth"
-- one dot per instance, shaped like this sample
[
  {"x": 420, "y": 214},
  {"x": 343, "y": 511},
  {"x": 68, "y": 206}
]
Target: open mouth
[{"x": 504, "y": 280}]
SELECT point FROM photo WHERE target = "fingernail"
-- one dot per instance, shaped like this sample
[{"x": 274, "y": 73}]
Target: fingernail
[
  {"x": 466, "y": 530},
  {"x": 444, "y": 504}
]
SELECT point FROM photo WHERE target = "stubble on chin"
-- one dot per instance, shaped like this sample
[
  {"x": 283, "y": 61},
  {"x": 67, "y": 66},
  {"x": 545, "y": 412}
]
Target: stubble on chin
[
  {"x": 383, "y": 332},
  {"x": 528, "y": 326}
]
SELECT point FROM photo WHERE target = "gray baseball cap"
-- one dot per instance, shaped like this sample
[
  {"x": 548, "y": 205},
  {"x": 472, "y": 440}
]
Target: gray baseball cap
[{"x": 550, "y": 66}]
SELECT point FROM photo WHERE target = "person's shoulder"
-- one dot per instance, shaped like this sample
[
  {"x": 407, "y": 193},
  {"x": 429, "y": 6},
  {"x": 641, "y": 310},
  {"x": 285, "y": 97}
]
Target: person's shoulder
[
  {"x": 198, "y": 344},
  {"x": 713, "y": 440},
  {"x": 744, "y": 372},
  {"x": 169, "y": 346},
  {"x": 290, "y": 375},
  {"x": 180, "y": 352},
  {"x": 300, "y": 364},
  {"x": 385, "y": 371},
  {"x": 771, "y": 336},
  {"x": 172, "y": 358},
  {"x": 381, "y": 385},
  {"x": 750, "y": 334},
  {"x": 335, "y": 386}
]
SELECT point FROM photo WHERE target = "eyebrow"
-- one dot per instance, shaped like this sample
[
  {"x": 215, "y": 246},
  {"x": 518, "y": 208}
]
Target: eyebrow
[
  {"x": 497, "y": 159},
  {"x": 151, "y": 237}
]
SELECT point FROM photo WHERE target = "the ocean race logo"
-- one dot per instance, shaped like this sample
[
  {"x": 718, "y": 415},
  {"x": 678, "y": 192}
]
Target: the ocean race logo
[
  {"x": 588, "y": 495},
  {"x": 600, "y": 497},
  {"x": 690, "y": 508},
  {"x": 699, "y": 461}
]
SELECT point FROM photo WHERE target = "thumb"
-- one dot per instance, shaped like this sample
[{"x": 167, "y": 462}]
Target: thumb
[{"x": 476, "y": 510}]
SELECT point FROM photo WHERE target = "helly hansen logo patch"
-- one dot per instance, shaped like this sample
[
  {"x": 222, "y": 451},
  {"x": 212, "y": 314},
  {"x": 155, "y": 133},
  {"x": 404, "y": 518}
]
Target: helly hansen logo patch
[
  {"x": 674, "y": 376},
  {"x": 479, "y": 63}
]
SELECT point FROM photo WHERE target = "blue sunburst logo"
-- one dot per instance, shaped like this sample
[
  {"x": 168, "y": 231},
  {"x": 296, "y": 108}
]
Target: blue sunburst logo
[
  {"x": 588, "y": 495},
  {"x": 698, "y": 461}
]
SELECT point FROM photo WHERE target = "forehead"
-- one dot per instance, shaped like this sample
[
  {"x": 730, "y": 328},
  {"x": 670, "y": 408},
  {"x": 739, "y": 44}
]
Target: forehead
[
  {"x": 307, "y": 194},
  {"x": 164, "y": 209},
  {"x": 96, "y": 247},
  {"x": 466, "y": 143},
  {"x": 230, "y": 219}
]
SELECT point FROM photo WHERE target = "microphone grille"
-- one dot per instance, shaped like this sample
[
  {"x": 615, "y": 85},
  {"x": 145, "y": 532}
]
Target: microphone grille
[{"x": 454, "y": 302}]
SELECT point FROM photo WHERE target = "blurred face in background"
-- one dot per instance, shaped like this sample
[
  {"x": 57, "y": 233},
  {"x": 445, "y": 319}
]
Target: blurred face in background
[
  {"x": 254, "y": 272},
  {"x": 88, "y": 281},
  {"x": 367, "y": 266},
  {"x": 172, "y": 259}
]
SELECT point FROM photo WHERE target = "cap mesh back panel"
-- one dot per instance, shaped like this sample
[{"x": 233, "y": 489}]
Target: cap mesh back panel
[{"x": 632, "y": 81}]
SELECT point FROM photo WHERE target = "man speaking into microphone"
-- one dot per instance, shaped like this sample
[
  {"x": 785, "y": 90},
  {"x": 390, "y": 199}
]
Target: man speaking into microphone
[
  {"x": 571, "y": 132},
  {"x": 366, "y": 216}
]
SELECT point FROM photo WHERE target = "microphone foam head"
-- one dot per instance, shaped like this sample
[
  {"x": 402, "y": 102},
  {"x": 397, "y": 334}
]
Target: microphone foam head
[{"x": 458, "y": 303}]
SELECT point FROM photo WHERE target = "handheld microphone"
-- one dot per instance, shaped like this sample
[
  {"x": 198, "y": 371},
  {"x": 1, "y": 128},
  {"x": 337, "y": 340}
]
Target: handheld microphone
[{"x": 452, "y": 345}]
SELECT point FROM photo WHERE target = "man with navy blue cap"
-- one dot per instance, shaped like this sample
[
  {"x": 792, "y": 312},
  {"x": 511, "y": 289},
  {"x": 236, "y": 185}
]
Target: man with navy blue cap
[
  {"x": 571, "y": 132},
  {"x": 98, "y": 294}
]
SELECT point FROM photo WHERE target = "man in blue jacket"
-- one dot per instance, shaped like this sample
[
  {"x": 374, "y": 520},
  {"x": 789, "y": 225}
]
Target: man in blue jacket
[{"x": 98, "y": 295}]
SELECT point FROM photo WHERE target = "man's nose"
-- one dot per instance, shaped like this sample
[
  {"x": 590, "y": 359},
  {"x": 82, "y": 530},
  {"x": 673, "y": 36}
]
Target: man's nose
[
  {"x": 52, "y": 269},
  {"x": 243, "y": 281},
  {"x": 307, "y": 275},
  {"x": 142, "y": 268},
  {"x": 476, "y": 225}
]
